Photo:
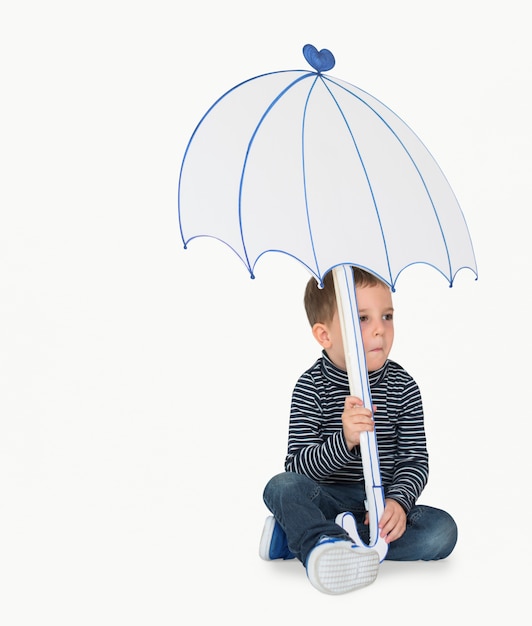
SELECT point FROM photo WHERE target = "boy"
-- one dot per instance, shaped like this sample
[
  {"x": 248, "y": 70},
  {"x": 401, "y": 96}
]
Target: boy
[{"x": 324, "y": 472}]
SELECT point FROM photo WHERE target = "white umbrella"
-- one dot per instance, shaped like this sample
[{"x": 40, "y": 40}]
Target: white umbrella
[{"x": 302, "y": 163}]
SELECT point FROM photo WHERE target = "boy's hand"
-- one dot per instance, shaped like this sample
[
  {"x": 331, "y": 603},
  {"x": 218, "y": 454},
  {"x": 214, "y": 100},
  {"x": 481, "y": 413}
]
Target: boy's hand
[
  {"x": 355, "y": 420},
  {"x": 392, "y": 523}
]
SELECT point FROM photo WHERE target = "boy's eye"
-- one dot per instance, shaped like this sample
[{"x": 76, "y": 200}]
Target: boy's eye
[
  {"x": 388, "y": 317},
  {"x": 363, "y": 318}
]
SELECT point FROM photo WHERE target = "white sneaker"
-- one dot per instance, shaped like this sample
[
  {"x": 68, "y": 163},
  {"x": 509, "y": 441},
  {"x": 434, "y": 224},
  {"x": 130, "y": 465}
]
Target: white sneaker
[{"x": 337, "y": 566}]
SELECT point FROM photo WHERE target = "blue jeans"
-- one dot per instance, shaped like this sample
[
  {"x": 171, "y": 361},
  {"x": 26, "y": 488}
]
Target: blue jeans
[{"x": 306, "y": 510}]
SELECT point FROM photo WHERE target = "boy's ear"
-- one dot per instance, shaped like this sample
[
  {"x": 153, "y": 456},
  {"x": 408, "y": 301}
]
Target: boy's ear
[{"x": 321, "y": 335}]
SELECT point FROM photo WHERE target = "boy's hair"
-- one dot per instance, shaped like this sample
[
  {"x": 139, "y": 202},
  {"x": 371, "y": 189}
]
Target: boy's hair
[{"x": 320, "y": 303}]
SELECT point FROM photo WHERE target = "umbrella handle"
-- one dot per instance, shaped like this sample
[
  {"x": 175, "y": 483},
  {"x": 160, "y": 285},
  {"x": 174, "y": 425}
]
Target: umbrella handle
[
  {"x": 344, "y": 285},
  {"x": 348, "y": 522}
]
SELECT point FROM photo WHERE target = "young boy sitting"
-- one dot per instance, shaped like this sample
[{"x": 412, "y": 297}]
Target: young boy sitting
[{"x": 324, "y": 472}]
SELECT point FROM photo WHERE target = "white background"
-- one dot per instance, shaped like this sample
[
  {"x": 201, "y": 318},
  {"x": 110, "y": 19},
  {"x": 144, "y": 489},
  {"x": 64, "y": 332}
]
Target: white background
[{"x": 145, "y": 390}]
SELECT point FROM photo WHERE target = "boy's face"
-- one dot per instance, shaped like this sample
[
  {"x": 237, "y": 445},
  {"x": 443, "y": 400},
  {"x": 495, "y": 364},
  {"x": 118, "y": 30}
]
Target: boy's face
[{"x": 375, "y": 311}]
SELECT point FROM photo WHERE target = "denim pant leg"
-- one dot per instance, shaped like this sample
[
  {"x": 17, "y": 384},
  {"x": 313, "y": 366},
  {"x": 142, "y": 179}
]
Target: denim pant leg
[
  {"x": 430, "y": 534},
  {"x": 306, "y": 510}
]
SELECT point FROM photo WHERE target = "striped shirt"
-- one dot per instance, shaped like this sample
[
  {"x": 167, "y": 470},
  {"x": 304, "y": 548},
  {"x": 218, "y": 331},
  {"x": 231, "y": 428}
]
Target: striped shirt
[{"x": 316, "y": 444}]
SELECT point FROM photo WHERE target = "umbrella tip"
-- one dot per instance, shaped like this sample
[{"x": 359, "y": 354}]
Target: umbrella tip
[{"x": 321, "y": 61}]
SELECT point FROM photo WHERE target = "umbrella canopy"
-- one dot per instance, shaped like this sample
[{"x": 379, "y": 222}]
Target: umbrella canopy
[
  {"x": 307, "y": 165},
  {"x": 311, "y": 166}
]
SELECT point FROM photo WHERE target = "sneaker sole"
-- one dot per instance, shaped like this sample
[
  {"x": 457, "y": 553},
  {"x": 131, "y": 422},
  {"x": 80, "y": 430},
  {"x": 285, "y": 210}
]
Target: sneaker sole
[
  {"x": 337, "y": 568},
  {"x": 266, "y": 538}
]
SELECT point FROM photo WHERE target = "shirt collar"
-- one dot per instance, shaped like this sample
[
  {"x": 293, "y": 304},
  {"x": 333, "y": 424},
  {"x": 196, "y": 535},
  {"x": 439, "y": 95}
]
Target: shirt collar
[{"x": 339, "y": 376}]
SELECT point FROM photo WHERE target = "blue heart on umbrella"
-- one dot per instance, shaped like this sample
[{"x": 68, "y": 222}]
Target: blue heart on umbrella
[{"x": 321, "y": 61}]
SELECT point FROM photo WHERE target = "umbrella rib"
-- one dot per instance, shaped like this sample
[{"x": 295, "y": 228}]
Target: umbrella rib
[
  {"x": 409, "y": 156},
  {"x": 198, "y": 125},
  {"x": 303, "y": 123},
  {"x": 365, "y": 174},
  {"x": 248, "y": 149}
]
